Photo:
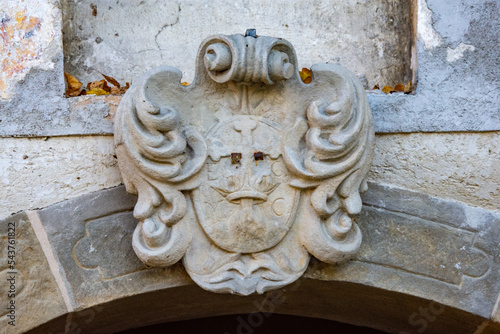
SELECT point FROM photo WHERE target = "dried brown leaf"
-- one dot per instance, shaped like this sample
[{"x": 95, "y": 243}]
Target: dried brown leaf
[
  {"x": 73, "y": 85},
  {"x": 399, "y": 88},
  {"x": 376, "y": 87},
  {"x": 408, "y": 88},
  {"x": 97, "y": 91},
  {"x": 101, "y": 84},
  {"x": 387, "y": 89},
  {"x": 185, "y": 83},
  {"x": 124, "y": 89},
  {"x": 115, "y": 90},
  {"x": 111, "y": 80}
]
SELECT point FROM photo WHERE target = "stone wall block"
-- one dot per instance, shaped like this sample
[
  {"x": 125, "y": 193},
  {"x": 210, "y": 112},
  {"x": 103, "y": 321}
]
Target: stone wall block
[{"x": 29, "y": 282}]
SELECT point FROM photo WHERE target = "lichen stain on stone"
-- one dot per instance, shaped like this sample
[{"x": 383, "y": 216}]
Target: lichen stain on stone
[{"x": 18, "y": 46}]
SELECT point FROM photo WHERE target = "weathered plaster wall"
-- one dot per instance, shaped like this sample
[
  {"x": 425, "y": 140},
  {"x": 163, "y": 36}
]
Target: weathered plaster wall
[
  {"x": 29, "y": 38},
  {"x": 459, "y": 166},
  {"x": 458, "y": 71},
  {"x": 31, "y": 95},
  {"x": 38, "y": 172},
  {"x": 122, "y": 39},
  {"x": 457, "y": 57}
]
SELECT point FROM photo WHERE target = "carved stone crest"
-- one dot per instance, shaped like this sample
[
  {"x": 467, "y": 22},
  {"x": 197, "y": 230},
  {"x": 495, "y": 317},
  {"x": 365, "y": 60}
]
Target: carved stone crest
[{"x": 247, "y": 171}]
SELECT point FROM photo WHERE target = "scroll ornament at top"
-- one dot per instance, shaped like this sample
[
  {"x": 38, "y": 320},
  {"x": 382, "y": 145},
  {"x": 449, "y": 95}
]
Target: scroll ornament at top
[{"x": 247, "y": 172}]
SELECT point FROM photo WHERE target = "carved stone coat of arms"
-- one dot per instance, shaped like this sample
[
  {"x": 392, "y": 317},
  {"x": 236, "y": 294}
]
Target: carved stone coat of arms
[{"x": 248, "y": 171}]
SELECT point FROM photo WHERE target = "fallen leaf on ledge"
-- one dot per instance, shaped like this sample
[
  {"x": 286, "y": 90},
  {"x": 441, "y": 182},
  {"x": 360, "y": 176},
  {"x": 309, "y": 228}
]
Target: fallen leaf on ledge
[
  {"x": 387, "y": 89},
  {"x": 305, "y": 75},
  {"x": 124, "y": 89},
  {"x": 101, "y": 84},
  {"x": 100, "y": 87},
  {"x": 111, "y": 80},
  {"x": 73, "y": 85},
  {"x": 399, "y": 88},
  {"x": 97, "y": 91},
  {"x": 408, "y": 88}
]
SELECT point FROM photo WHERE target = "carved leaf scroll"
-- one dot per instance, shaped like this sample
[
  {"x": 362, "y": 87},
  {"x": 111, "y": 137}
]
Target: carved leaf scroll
[
  {"x": 339, "y": 142},
  {"x": 160, "y": 156}
]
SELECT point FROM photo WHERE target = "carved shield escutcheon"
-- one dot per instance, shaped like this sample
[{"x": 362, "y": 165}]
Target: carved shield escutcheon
[
  {"x": 245, "y": 204},
  {"x": 247, "y": 171}
]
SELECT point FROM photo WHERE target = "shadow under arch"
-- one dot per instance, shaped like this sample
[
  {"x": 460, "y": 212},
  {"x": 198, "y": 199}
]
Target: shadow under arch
[{"x": 357, "y": 304}]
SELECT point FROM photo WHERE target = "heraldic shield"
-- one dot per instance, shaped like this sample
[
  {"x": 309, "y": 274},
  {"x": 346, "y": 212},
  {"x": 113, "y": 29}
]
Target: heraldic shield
[{"x": 248, "y": 171}]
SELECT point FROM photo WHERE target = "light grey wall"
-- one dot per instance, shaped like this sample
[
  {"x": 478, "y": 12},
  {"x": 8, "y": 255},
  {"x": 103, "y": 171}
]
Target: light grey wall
[{"x": 458, "y": 79}]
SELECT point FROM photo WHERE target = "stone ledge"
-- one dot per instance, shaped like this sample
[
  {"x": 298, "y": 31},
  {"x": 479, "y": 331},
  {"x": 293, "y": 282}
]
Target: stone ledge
[
  {"x": 447, "y": 98},
  {"x": 399, "y": 113}
]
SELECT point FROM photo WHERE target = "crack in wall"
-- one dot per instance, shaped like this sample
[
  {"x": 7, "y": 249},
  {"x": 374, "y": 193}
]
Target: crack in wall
[{"x": 164, "y": 27}]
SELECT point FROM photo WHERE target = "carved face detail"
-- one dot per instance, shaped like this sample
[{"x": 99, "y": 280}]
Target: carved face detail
[{"x": 245, "y": 205}]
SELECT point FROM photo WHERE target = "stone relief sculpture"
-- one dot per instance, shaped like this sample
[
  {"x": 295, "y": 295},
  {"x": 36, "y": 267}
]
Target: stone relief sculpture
[{"x": 247, "y": 172}]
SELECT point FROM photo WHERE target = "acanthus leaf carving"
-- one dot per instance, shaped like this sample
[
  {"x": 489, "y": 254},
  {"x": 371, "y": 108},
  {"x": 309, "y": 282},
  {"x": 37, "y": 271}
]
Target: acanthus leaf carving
[{"x": 242, "y": 193}]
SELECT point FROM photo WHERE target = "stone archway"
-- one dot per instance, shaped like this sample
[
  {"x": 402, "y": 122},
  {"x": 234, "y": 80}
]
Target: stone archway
[
  {"x": 425, "y": 263},
  {"x": 358, "y": 304}
]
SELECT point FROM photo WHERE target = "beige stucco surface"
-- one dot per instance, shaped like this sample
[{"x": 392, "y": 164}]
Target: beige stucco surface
[
  {"x": 459, "y": 166},
  {"x": 465, "y": 167},
  {"x": 38, "y": 172}
]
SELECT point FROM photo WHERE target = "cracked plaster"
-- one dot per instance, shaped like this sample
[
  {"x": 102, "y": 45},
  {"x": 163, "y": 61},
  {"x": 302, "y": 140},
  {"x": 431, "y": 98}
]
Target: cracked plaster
[{"x": 457, "y": 166}]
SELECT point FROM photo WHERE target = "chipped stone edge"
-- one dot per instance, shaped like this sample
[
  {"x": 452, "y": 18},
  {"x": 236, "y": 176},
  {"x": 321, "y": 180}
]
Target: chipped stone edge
[{"x": 43, "y": 239}]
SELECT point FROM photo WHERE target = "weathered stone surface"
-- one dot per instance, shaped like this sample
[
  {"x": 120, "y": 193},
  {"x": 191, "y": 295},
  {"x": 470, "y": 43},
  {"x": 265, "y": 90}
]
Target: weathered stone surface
[
  {"x": 37, "y": 298},
  {"x": 419, "y": 252},
  {"x": 37, "y": 172},
  {"x": 372, "y": 38},
  {"x": 458, "y": 166},
  {"x": 91, "y": 238},
  {"x": 246, "y": 171},
  {"x": 437, "y": 249},
  {"x": 357, "y": 304},
  {"x": 92, "y": 251},
  {"x": 453, "y": 38},
  {"x": 432, "y": 163}
]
